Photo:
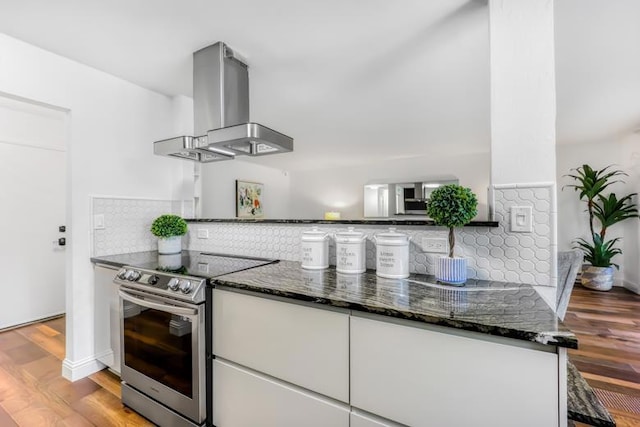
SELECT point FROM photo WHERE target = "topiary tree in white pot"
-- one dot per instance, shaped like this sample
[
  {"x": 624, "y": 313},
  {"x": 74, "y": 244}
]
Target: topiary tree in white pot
[
  {"x": 452, "y": 206},
  {"x": 169, "y": 229}
]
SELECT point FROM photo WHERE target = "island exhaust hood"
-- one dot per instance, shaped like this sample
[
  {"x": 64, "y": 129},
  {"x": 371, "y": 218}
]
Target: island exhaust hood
[{"x": 221, "y": 113}]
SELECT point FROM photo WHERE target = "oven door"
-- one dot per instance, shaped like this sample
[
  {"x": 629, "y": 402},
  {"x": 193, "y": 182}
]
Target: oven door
[{"x": 163, "y": 351}]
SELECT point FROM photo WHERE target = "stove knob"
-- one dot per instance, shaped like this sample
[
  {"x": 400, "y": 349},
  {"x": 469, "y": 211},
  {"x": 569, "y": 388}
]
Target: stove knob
[
  {"x": 173, "y": 284},
  {"x": 153, "y": 280},
  {"x": 185, "y": 286}
]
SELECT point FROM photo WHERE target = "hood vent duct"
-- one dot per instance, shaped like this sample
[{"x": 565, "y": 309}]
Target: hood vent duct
[{"x": 221, "y": 113}]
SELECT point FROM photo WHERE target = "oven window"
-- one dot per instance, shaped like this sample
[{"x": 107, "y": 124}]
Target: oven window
[{"x": 159, "y": 345}]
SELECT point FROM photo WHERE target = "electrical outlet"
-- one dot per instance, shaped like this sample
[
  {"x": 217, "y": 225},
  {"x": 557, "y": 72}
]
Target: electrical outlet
[
  {"x": 436, "y": 245},
  {"x": 521, "y": 219},
  {"x": 98, "y": 222},
  {"x": 203, "y": 233}
]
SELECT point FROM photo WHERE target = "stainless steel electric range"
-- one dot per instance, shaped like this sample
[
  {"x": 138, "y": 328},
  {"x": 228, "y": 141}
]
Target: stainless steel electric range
[{"x": 163, "y": 332}]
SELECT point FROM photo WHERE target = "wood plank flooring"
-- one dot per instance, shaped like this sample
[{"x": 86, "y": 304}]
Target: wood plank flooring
[
  {"x": 608, "y": 328},
  {"x": 34, "y": 394}
]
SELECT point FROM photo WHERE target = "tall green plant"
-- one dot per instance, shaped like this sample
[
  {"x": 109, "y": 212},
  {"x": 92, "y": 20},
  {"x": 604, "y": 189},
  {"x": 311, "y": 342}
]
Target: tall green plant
[
  {"x": 606, "y": 210},
  {"x": 452, "y": 206}
]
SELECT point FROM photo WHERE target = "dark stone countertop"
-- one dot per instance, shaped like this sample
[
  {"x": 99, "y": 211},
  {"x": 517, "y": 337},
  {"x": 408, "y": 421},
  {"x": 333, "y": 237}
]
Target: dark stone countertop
[
  {"x": 408, "y": 220},
  {"x": 582, "y": 403},
  {"x": 496, "y": 308}
]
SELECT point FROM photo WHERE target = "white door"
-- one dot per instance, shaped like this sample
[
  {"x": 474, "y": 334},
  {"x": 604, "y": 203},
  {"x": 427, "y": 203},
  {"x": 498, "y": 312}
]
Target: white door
[{"x": 32, "y": 208}]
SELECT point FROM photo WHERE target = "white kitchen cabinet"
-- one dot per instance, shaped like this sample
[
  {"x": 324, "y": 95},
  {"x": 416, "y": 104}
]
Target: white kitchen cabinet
[
  {"x": 422, "y": 377},
  {"x": 301, "y": 345},
  {"x": 243, "y": 398},
  {"x": 107, "y": 317},
  {"x": 360, "y": 419}
]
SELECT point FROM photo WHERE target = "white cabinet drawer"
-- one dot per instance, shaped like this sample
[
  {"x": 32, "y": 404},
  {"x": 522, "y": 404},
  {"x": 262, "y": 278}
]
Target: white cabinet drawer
[
  {"x": 359, "y": 419},
  {"x": 246, "y": 399},
  {"x": 420, "y": 377},
  {"x": 302, "y": 345}
]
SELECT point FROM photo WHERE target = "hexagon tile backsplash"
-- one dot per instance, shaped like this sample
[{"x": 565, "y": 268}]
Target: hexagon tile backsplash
[
  {"x": 127, "y": 222},
  {"x": 493, "y": 253}
]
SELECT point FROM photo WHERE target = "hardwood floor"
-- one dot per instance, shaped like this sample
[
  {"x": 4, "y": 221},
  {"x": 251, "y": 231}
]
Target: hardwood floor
[
  {"x": 34, "y": 394},
  {"x": 608, "y": 328}
]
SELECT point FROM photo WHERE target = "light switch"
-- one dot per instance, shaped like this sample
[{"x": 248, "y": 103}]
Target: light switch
[
  {"x": 203, "y": 233},
  {"x": 521, "y": 219},
  {"x": 98, "y": 222}
]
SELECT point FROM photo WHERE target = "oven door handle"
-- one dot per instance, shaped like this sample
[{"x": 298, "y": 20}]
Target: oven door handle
[{"x": 172, "y": 309}]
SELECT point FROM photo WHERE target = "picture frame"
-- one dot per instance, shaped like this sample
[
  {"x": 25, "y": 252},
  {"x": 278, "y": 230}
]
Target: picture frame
[{"x": 249, "y": 199}]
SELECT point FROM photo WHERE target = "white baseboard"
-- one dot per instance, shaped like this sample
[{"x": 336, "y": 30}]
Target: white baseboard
[
  {"x": 74, "y": 371},
  {"x": 106, "y": 357},
  {"x": 633, "y": 287}
]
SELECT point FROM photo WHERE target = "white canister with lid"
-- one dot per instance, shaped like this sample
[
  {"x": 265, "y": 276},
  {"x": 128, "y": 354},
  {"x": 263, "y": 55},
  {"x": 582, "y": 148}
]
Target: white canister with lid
[
  {"x": 314, "y": 253},
  {"x": 392, "y": 254},
  {"x": 351, "y": 252}
]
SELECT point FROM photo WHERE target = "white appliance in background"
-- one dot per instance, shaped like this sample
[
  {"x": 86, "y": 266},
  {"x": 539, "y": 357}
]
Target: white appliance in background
[{"x": 32, "y": 196}]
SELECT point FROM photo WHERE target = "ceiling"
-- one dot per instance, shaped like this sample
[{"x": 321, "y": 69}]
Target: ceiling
[{"x": 355, "y": 81}]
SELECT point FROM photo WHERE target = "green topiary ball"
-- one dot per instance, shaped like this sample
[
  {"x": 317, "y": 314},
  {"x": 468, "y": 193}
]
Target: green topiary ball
[
  {"x": 168, "y": 226},
  {"x": 452, "y": 206}
]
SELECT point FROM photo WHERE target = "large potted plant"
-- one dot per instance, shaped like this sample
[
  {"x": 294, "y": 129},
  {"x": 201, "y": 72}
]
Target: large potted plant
[
  {"x": 169, "y": 229},
  {"x": 452, "y": 206},
  {"x": 605, "y": 210}
]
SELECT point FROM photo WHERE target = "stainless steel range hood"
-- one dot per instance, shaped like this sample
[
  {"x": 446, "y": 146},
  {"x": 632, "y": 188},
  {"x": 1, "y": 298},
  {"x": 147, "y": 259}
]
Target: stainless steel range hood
[{"x": 221, "y": 113}]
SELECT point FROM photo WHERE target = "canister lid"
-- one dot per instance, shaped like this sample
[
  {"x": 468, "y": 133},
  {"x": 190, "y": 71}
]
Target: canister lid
[
  {"x": 314, "y": 235},
  {"x": 392, "y": 237},
  {"x": 350, "y": 236}
]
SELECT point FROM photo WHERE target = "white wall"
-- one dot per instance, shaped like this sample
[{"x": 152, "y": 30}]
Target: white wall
[
  {"x": 341, "y": 189},
  {"x": 219, "y": 188},
  {"x": 112, "y": 126}
]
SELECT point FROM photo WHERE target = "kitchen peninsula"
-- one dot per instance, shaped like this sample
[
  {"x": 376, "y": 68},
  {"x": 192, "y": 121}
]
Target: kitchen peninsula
[{"x": 322, "y": 348}]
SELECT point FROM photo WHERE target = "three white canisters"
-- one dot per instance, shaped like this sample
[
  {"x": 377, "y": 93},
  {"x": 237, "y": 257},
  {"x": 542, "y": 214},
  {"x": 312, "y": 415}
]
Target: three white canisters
[{"x": 392, "y": 252}]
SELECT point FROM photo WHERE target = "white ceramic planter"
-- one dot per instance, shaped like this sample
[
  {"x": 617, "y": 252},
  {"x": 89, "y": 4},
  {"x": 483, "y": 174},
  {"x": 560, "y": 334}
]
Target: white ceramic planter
[
  {"x": 597, "y": 278},
  {"x": 170, "y": 245},
  {"x": 452, "y": 271}
]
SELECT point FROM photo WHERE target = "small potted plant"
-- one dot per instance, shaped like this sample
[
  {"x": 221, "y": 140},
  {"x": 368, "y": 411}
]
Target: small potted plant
[
  {"x": 452, "y": 206},
  {"x": 169, "y": 229},
  {"x": 606, "y": 210}
]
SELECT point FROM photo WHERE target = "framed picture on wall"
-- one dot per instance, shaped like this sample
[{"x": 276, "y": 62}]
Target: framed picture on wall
[{"x": 249, "y": 199}]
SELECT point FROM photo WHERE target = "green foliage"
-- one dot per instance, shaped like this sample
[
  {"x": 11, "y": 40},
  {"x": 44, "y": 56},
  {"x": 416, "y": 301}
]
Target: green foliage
[
  {"x": 168, "y": 226},
  {"x": 606, "y": 210},
  {"x": 452, "y": 206},
  {"x": 599, "y": 252}
]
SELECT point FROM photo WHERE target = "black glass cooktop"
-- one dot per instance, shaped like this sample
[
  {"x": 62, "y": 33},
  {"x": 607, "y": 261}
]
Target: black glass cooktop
[{"x": 189, "y": 263}]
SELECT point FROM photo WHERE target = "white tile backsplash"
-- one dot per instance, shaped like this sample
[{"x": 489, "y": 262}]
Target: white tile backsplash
[
  {"x": 127, "y": 223},
  {"x": 493, "y": 253}
]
